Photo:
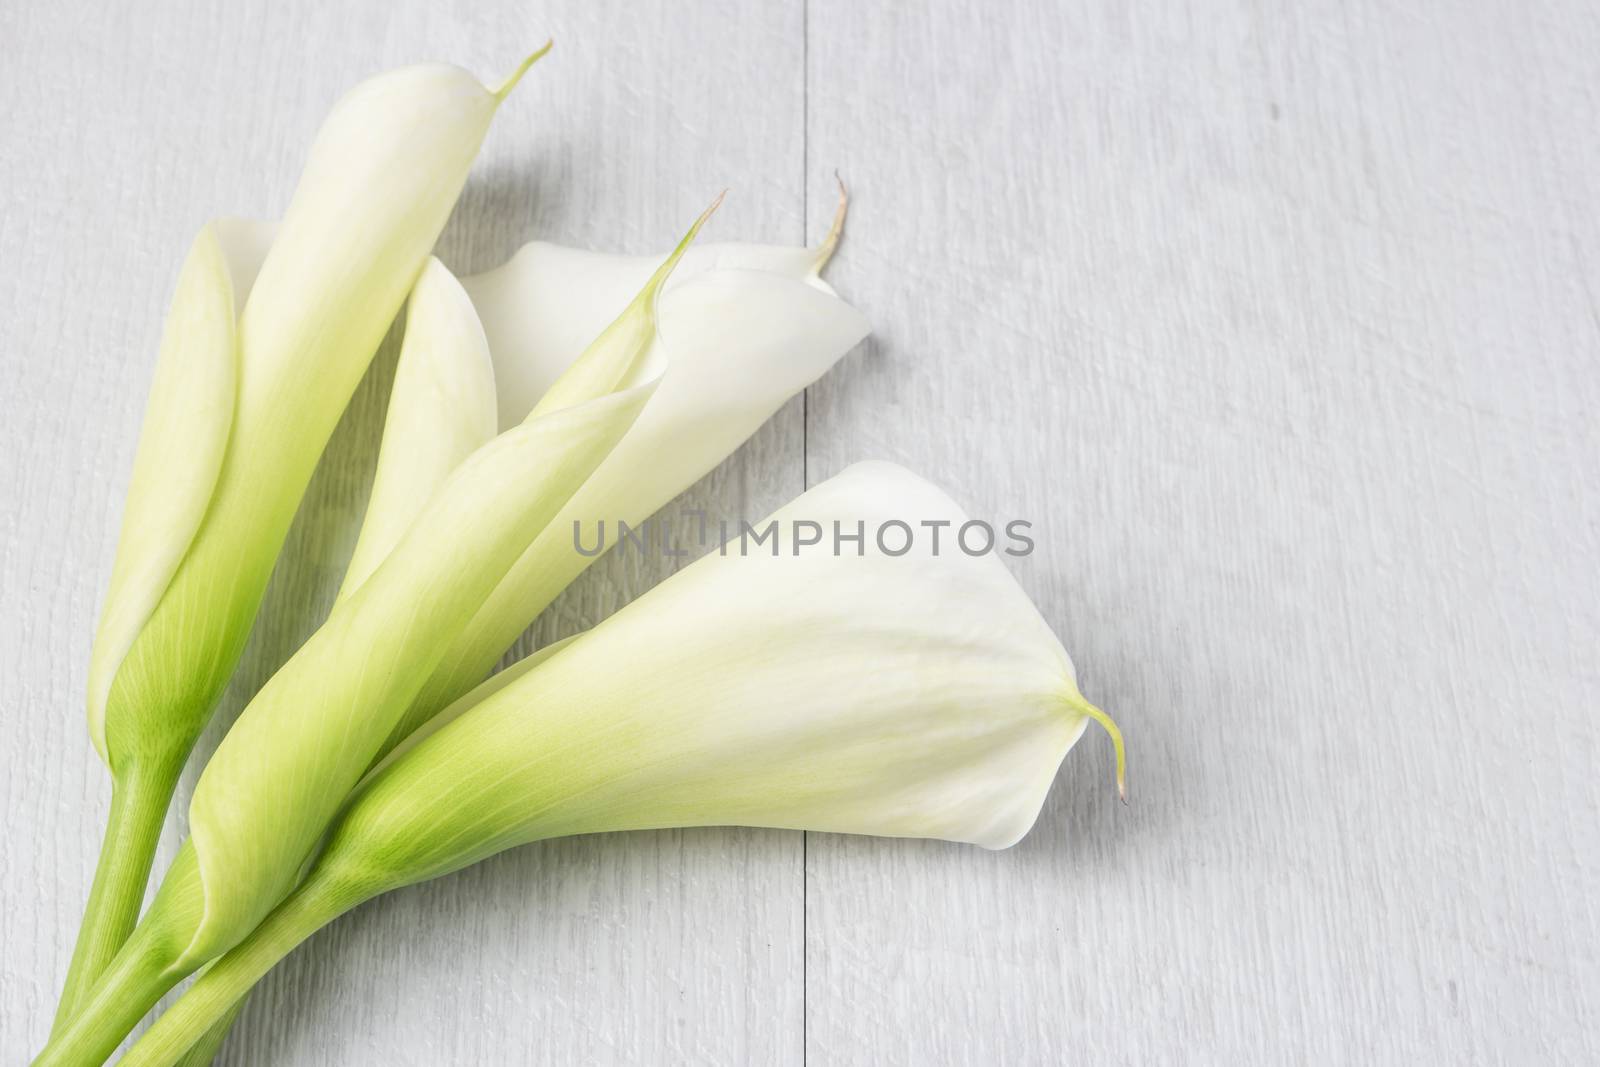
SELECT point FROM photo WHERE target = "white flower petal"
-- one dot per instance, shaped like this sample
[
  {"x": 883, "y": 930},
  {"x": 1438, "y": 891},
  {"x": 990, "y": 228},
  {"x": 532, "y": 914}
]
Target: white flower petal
[
  {"x": 441, "y": 410},
  {"x": 545, "y": 304}
]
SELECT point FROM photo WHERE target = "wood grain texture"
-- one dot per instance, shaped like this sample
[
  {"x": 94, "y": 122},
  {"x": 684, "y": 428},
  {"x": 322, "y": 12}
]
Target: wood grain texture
[{"x": 1279, "y": 322}]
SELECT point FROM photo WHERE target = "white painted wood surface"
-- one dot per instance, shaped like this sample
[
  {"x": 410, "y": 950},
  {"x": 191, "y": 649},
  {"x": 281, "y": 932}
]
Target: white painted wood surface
[{"x": 1279, "y": 322}]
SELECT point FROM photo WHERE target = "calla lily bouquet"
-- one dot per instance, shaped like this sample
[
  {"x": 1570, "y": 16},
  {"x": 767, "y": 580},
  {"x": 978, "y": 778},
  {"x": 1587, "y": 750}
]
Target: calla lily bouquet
[{"x": 902, "y": 693}]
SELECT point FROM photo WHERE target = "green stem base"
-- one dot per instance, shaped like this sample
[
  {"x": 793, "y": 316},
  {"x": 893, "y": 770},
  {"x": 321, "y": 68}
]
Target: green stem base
[
  {"x": 137, "y": 978},
  {"x": 138, "y": 807},
  {"x": 154, "y": 959},
  {"x": 217, "y": 995}
]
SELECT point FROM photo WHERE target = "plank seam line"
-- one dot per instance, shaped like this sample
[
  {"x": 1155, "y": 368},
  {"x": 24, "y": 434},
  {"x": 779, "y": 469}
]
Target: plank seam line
[{"x": 805, "y": 483}]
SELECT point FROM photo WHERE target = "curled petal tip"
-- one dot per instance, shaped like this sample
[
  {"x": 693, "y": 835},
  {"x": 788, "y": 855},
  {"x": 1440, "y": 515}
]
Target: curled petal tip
[
  {"x": 831, "y": 242},
  {"x": 511, "y": 83},
  {"x": 706, "y": 214},
  {"x": 1083, "y": 707},
  {"x": 665, "y": 269}
]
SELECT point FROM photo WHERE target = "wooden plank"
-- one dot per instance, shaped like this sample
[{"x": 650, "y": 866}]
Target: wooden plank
[
  {"x": 1278, "y": 321},
  {"x": 1279, "y": 324},
  {"x": 126, "y": 130}
]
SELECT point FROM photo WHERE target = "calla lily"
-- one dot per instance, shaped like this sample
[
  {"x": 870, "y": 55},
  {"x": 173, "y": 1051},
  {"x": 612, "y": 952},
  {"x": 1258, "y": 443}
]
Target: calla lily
[
  {"x": 261, "y": 354},
  {"x": 305, "y": 740},
  {"x": 918, "y": 695}
]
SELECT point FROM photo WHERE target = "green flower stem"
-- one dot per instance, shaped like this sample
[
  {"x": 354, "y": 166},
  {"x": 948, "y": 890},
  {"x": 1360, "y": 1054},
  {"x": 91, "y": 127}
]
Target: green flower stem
[
  {"x": 139, "y": 800},
  {"x": 209, "y": 1005}
]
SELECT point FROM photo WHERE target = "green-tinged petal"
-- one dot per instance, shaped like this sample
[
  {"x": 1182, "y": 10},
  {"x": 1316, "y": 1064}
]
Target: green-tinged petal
[
  {"x": 900, "y": 695},
  {"x": 441, "y": 410},
  {"x": 625, "y": 343},
  {"x": 175, "y": 469},
  {"x": 313, "y": 730},
  {"x": 454, "y": 711}
]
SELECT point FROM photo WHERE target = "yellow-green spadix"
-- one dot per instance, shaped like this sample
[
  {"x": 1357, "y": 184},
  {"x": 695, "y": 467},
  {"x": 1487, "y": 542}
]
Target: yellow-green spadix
[
  {"x": 262, "y": 351},
  {"x": 919, "y": 695}
]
